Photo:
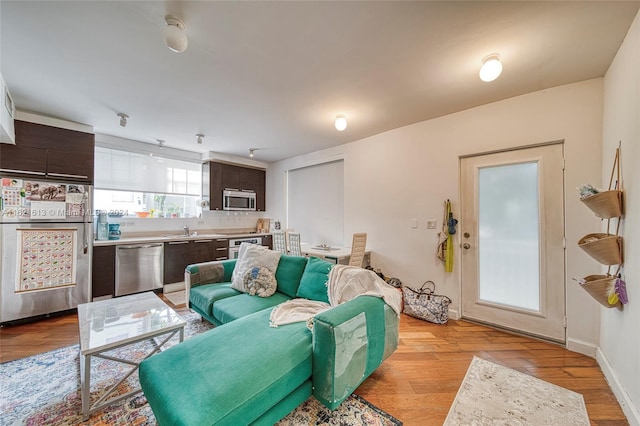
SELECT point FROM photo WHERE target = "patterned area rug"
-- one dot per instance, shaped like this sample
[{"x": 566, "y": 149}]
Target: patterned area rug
[
  {"x": 44, "y": 389},
  {"x": 491, "y": 394}
]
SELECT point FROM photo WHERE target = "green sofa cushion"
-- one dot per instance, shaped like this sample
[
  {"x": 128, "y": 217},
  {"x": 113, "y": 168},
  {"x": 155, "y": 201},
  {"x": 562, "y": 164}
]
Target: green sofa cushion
[
  {"x": 205, "y": 296},
  {"x": 289, "y": 273},
  {"x": 313, "y": 284},
  {"x": 243, "y": 304},
  {"x": 233, "y": 373}
]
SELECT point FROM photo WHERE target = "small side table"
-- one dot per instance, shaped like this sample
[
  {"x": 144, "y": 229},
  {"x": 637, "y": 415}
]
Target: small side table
[{"x": 114, "y": 323}]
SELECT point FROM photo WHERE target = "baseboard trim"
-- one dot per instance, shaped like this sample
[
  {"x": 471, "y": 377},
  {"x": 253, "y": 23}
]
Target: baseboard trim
[
  {"x": 633, "y": 416},
  {"x": 582, "y": 347},
  {"x": 453, "y": 314}
]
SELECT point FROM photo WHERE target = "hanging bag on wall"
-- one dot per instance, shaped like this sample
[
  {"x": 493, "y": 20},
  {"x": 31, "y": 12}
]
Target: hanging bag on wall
[{"x": 425, "y": 304}]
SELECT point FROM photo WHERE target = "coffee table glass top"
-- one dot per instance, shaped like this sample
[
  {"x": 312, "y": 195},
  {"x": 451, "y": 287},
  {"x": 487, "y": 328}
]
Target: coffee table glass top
[{"x": 113, "y": 322}]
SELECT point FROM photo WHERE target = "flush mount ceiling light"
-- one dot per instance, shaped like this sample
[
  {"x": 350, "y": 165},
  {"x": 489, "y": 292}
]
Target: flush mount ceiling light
[
  {"x": 251, "y": 151},
  {"x": 491, "y": 67},
  {"x": 174, "y": 36},
  {"x": 160, "y": 143},
  {"x": 341, "y": 122},
  {"x": 123, "y": 119},
  {"x": 200, "y": 136}
]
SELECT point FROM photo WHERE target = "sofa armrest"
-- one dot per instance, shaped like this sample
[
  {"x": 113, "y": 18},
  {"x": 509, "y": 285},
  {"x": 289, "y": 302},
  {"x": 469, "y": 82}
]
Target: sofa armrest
[
  {"x": 216, "y": 271},
  {"x": 349, "y": 342}
]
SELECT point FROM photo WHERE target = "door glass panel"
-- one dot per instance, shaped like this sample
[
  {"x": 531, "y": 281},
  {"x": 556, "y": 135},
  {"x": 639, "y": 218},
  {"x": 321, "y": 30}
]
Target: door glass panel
[{"x": 508, "y": 241}]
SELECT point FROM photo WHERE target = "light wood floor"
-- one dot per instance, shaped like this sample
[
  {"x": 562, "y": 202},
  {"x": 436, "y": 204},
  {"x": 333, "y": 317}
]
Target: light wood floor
[{"x": 419, "y": 382}]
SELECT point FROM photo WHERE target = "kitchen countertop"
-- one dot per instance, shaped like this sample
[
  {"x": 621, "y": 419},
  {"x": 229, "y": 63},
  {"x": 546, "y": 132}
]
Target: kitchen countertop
[
  {"x": 334, "y": 252},
  {"x": 163, "y": 238}
]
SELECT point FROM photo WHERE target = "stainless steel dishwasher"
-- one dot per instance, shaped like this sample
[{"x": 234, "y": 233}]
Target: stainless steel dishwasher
[{"x": 139, "y": 267}]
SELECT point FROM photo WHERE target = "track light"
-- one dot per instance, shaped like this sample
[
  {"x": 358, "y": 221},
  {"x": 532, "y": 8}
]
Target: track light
[
  {"x": 123, "y": 119},
  {"x": 199, "y": 136},
  {"x": 251, "y": 151},
  {"x": 491, "y": 67},
  {"x": 174, "y": 36},
  {"x": 160, "y": 143},
  {"x": 341, "y": 122}
]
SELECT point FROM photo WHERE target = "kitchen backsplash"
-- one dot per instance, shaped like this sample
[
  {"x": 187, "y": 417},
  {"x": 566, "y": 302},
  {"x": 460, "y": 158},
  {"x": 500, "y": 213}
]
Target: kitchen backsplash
[{"x": 209, "y": 220}]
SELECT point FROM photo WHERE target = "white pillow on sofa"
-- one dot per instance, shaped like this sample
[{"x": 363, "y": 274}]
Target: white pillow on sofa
[{"x": 251, "y": 255}]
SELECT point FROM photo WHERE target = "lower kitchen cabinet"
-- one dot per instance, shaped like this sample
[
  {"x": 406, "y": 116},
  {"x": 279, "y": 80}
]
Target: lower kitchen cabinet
[
  {"x": 179, "y": 254},
  {"x": 103, "y": 272},
  {"x": 267, "y": 241}
]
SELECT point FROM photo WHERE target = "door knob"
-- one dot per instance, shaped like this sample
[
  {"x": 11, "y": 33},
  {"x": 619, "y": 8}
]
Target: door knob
[{"x": 466, "y": 246}]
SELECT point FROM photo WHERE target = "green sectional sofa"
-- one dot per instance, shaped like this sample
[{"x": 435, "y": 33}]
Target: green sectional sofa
[{"x": 246, "y": 372}]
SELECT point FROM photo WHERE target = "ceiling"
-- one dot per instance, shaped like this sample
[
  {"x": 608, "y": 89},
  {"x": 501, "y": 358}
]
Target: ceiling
[{"x": 273, "y": 75}]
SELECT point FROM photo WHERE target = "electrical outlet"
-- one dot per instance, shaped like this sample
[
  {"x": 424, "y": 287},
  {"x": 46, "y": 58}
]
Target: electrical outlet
[{"x": 432, "y": 224}]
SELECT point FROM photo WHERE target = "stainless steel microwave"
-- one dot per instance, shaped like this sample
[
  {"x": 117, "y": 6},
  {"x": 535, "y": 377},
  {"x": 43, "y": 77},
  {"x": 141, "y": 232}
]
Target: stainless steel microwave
[{"x": 238, "y": 200}]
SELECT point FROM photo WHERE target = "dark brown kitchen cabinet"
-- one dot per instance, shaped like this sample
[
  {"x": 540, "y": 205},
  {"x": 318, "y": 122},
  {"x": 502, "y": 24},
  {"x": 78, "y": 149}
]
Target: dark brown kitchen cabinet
[
  {"x": 223, "y": 176},
  {"x": 176, "y": 258},
  {"x": 179, "y": 254},
  {"x": 267, "y": 241},
  {"x": 103, "y": 272},
  {"x": 49, "y": 152},
  {"x": 210, "y": 249}
]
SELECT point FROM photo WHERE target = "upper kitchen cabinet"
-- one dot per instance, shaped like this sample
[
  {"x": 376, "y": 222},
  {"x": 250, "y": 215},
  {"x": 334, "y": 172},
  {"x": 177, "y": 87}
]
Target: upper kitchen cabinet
[
  {"x": 49, "y": 152},
  {"x": 221, "y": 176}
]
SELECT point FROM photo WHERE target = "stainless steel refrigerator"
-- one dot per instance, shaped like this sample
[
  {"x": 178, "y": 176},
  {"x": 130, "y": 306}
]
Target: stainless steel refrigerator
[{"x": 46, "y": 238}]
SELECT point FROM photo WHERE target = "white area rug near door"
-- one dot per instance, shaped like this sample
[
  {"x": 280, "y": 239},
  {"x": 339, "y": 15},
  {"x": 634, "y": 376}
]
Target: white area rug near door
[{"x": 491, "y": 394}]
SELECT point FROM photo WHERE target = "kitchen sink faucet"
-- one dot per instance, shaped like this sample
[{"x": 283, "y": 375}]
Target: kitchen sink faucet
[{"x": 186, "y": 231}]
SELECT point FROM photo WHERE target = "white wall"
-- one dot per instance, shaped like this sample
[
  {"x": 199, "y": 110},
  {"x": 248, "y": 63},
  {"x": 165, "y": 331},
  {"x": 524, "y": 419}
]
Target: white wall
[
  {"x": 619, "y": 337},
  {"x": 407, "y": 173}
]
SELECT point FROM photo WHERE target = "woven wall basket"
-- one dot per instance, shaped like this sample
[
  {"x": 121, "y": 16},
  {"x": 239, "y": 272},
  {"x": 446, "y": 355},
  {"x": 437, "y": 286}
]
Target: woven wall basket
[
  {"x": 605, "y": 204},
  {"x": 599, "y": 286},
  {"x": 606, "y": 249}
]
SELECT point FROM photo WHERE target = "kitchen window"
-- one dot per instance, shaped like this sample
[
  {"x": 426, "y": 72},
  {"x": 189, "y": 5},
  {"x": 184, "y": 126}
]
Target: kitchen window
[{"x": 137, "y": 184}]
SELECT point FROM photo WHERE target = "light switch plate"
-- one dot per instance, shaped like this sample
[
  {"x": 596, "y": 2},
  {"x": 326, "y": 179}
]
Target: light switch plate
[{"x": 432, "y": 224}]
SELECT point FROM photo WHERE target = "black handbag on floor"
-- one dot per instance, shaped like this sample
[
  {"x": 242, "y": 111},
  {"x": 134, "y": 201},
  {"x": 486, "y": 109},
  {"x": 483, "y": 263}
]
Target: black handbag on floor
[{"x": 425, "y": 304}]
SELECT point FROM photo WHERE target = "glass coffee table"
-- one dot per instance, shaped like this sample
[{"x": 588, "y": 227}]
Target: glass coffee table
[{"x": 110, "y": 324}]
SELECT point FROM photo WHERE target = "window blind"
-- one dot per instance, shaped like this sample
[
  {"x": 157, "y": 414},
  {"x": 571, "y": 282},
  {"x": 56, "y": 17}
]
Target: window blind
[{"x": 131, "y": 171}]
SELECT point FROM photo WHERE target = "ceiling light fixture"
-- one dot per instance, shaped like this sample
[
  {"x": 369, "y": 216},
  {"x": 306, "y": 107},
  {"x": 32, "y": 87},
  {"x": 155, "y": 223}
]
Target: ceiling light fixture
[
  {"x": 160, "y": 143},
  {"x": 341, "y": 122},
  {"x": 251, "y": 151},
  {"x": 491, "y": 67},
  {"x": 199, "y": 136},
  {"x": 174, "y": 36},
  {"x": 123, "y": 119}
]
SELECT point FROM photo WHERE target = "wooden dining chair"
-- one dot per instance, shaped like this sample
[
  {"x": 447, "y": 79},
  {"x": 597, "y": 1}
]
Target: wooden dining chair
[
  {"x": 357, "y": 249},
  {"x": 294, "y": 244},
  {"x": 280, "y": 242}
]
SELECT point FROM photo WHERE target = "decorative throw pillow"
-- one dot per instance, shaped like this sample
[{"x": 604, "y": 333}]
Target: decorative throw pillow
[
  {"x": 251, "y": 255},
  {"x": 313, "y": 284},
  {"x": 260, "y": 281}
]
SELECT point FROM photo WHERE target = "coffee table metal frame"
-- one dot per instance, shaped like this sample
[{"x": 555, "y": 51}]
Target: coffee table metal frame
[{"x": 87, "y": 354}]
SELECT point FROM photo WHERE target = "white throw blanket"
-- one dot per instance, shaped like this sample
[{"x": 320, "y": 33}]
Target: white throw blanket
[
  {"x": 345, "y": 283},
  {"x": 296, "y": 310},
  {"x": 348, "y": 282}
]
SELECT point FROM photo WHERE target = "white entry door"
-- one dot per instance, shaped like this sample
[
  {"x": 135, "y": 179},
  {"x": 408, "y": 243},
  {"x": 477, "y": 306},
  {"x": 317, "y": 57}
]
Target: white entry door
[{"x": 512, "y": 236}]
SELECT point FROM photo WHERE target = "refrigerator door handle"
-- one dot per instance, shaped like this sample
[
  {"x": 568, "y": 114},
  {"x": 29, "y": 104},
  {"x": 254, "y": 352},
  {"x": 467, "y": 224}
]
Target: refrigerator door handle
[
  {"x": 85, "y": 243},
  {"x": 85, "y": 232}
]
